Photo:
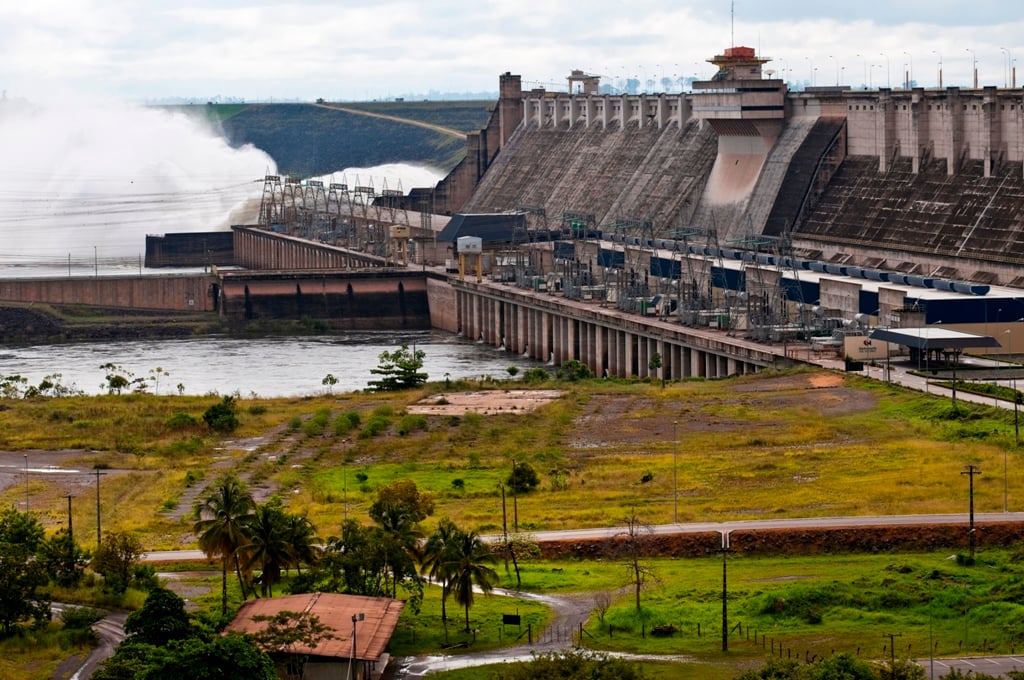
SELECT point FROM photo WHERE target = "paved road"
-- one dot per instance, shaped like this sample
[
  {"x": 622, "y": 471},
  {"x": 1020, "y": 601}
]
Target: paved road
[
  {"x": 711, "y": 527},
  {"x": 997, "y": 666}
]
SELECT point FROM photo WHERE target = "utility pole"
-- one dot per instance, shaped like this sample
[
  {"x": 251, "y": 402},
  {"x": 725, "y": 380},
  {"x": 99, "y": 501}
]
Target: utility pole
[
  {"x": 71, "y": 528},
  {"x": 675, "y": 478},
  {"x": 892, "y": 652},
  {"x": 970, "y": 472},
  {"x": 515, "y": 504},
  {"x": 26, "y": 482},
  {"x": 99, "y": 535},
  {"x": 725, "y": 592}
]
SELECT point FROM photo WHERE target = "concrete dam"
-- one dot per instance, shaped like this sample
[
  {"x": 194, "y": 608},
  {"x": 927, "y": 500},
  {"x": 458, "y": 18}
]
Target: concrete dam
[{"x": 702, "y": 233}]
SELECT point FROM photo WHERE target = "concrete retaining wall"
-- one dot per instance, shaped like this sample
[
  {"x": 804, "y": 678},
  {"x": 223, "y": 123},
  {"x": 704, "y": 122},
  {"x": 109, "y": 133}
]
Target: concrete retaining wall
[{"x": 173, "y": 293}]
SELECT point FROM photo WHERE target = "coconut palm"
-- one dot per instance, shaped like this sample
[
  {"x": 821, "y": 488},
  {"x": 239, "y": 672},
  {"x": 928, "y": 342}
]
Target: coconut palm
[
  {"x": 436, "y": 558},
  {"x": 268, "y": 546},
  {"x": 468, "y": 567},
  {"x": 225, "y": 512},
  {"x": 303, "y": 541}
]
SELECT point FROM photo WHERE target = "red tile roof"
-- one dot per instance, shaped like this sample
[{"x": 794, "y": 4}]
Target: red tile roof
[{"x": 336, "y": 612}]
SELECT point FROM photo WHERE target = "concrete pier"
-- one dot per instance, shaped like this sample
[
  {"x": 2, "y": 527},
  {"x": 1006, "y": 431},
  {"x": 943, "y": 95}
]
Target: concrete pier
[{"x": 554, "y": 329}]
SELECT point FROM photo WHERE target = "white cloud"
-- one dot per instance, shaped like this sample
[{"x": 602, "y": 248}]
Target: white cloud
[{"x": 359, "y": 49}]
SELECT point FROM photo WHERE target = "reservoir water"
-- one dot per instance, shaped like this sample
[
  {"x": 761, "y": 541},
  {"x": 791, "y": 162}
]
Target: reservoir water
[{"x": 265, "y": 367}]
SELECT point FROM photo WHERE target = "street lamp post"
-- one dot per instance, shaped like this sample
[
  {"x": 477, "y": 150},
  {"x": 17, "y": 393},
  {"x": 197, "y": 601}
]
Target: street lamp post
[
  {"x": 888, "y": 69},
  {"x": 974, "y": 66},
  {"x": 837, "y": 68},
  {"x": 909, "y": 75},
  {"x": 940, "y": 67},
  {"x": 1006, "y": 68},
  {"x": 352, "y": 661}
]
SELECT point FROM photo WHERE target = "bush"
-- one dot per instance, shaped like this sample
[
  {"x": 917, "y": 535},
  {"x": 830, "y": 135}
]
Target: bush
[
  {"x": 536, "y": 375},
  {"x": 374, "y": 426},
  {"x": 221, "y": 416},
  {"x": 181, "y": 421},
  {"x": 574, "y": 370},
  {"x": 411, "y": 423},
  {"x": 80, "y": 617},
  {"x": 346, "y": 421},
  {"x": 523, "y": 478}
]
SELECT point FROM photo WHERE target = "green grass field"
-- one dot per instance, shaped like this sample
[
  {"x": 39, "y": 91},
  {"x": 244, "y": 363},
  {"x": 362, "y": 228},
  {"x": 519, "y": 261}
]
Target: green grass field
[{"x": 796, "y": 444}]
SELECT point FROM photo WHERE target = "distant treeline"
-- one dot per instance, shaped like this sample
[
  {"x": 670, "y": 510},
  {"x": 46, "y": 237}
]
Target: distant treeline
[{"x": 307, "y": 140}]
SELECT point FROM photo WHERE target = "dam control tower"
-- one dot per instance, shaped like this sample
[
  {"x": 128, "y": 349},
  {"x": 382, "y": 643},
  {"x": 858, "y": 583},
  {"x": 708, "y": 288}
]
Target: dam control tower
[{"x": 748, "y": 112}]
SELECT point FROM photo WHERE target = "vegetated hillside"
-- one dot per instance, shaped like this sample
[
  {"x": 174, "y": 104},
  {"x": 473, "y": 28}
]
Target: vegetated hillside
[{"x": 306, "y": 139}]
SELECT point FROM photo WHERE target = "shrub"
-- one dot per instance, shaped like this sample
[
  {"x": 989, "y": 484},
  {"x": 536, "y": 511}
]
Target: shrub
[
  {"x": 221, "y": 416},
  {"x": 181, "y": 421},
  {"x": 345, "y": 422},
  {"x": 80, "y": 617},
  {"x": 523, "y": 478},
  {"x": 374, "y": 426},
  {"x": 536, "y": 375},
  {"x": 411, "y": 423},
  {"x": 574, "y": 370}
]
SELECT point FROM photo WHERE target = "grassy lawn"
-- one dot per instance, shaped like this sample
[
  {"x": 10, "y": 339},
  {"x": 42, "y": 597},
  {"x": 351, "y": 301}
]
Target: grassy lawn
[
  {"x": 759, "y": 446},
  {"x": 795, "y": 444}
]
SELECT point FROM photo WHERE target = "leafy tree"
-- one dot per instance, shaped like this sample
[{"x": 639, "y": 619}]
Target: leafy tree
[
  {"x": 574, "y": 370},
  {"x": 161, "y": 619},
  {"x": 352, "y": 563},
  {"x": 65, "y": 561},
  {"x": 21, "y": 573},
  {"x": 116, "y": 558},
  {"x": 285, "y": 630},
  {"x": 523, "y": 478},
  {"x": 222, "y": 417},
  {"x": 468, "y": 567},
  {"x": 655, "y": 365},
  {"x": 329, "y": 381},
  {"x": 225, "y": 512},
  {"x": 398, "y": 370},
  {"x": 402, "y": 497},
  {"x": 215, "y": 657},
  {"x": 116, "y": 378}
]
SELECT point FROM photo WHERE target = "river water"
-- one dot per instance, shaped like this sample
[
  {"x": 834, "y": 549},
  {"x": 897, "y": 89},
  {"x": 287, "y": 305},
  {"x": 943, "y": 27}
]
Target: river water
[{"x": 265, "y": 367}]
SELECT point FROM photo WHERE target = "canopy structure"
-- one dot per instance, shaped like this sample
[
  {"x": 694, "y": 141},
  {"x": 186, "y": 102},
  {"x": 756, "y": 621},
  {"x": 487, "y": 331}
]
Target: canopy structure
[{"x": 933, "y": 338}]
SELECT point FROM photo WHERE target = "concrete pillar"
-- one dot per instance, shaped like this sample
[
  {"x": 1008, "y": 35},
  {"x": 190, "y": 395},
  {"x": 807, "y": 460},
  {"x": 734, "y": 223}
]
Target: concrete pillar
[
  {"x": 599, "y": 351},
  {"x": 572, "y": 340},
  {"x": 630, "y": 354},
  {"x": 989, "y": 136},
  {"x": 544, "y": 349}
]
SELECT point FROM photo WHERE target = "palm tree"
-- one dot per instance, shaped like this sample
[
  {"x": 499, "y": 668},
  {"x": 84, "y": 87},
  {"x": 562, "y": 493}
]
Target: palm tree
[
  {"x": 400, "y": 536},
  {"x": 436, "y": 558},
  {"x": 468, "y": 567},
  {"x": 268, "y": 546},
  {"x": 303, "y": 541},
  {"x": 227, "y": 508}
]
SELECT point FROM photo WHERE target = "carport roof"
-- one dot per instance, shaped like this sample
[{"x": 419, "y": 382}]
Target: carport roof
[{"x": 933, "y": 337}]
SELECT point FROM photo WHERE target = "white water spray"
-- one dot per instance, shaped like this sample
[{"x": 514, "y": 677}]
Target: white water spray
[
  {"x": 86, "y": 181},
  {"x": 81, "y": 188}
]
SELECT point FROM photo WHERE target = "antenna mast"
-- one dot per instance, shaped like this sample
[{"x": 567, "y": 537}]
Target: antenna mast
[{"x": 732, "y": 24}]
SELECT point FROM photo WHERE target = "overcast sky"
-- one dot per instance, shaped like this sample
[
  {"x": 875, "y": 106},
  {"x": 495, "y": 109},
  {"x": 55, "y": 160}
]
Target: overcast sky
[{"x": 355, "y": 49}]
